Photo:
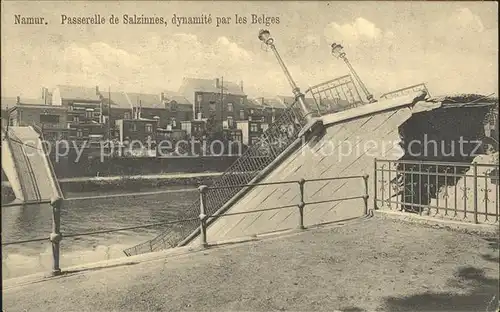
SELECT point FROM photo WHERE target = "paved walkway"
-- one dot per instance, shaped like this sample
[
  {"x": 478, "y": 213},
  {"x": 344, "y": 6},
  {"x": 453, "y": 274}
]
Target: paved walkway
[{"x": 370, "y": 264}]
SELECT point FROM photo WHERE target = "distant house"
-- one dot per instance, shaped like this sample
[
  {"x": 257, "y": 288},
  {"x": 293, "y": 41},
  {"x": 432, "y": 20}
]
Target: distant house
[
  {"x": 6, "y": 104},
  {"x": 84, "y": 107},
  {"x": 137, "y": 130},
  {"x": 178, "y": 108},
  {"x": 146, "y": 105},
  {"x": 115, "y": 106},
  {"x": 215, "y": 99},
  {"x": 33, "y": 112},
  {"x": 268, "y": 109}
]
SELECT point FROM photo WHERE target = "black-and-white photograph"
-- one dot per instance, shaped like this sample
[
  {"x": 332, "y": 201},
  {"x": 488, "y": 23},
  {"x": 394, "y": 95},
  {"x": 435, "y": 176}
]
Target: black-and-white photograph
[{"x": 250, "y": 156}]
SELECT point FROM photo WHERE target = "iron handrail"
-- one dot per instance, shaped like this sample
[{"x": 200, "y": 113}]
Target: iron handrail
[
  {"x": 457, "y": 189},
  {"x": 16, "y": 204},
  {"x": 202, "y": 218},
  {"x": 102, "y": 231},
  {"x": 435, "y": 163},
  {"x": 284, "y": 182},
  {"x": 406, "y": 88},
  {"x": 190, "y": 219}
]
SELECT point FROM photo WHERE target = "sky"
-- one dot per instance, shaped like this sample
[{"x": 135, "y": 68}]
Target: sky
[{"x": 451, "y": 46}]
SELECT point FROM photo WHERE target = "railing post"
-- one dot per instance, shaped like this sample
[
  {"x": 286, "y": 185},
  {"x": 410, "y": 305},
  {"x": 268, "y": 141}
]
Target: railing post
[
  {"x": 375, "y": 184},
  {"x": 56, "y": 236},
  {"x": 475, "y": 192},
  {"x": 302, "y": 204},
  {"x": 366, "y": 196},
  {"x": 203, "y": 217}
]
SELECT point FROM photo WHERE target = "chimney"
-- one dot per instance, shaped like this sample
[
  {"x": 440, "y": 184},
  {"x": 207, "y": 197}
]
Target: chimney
[
  {"x": 217, "y": 83},
  {"x": 162, "y": 97},
  {"x": 97, "y": 90},
  {"x": 241, "y": 85},
  {"x": 18, "y": 99}
]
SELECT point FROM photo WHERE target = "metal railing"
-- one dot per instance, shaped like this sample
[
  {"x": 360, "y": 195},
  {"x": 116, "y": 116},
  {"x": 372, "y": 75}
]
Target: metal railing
[
  {"x": 452, "y": 190},
  {"x": 278, "y": 137},
  {"x": 335, "y": 95},
  {"x": 201, "y": 219},
  {"x": 208, "y": 201},
  {"x": 56, "y": 236},
  {"x": 405, "y": 91}
]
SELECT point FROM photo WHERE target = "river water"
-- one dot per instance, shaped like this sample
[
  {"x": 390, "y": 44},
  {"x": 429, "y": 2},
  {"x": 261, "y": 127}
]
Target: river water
[{"x": 80, "y": 216}]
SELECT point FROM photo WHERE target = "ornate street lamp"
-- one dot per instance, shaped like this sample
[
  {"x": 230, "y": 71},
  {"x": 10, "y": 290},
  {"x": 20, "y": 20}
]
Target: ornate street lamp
[
  {"x": 312, "y": 121},
  {"x": 338, "y": 52}
]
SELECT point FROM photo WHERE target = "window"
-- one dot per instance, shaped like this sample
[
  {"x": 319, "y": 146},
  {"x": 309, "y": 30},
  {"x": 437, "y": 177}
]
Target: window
[
  {"x": 254, "y": 140},
  {"x": 134, "y": 127},
  {"x": 242, "y": 101},
  {"x": 199, "y": 98},
  {"x": 254, "y": 127},
  {"x": 126, "y": 115},
  {"x": 237, "y": 137},
  {"x": 173, "y": 122},
  {"x": 149, "y": 128},
  {"x": 79, "y": 133},
  {"x": 252, "y": 112},
  {"x": 230, "y": 121},
  {"x": 173, "y": 106},
  {"x": 70, "y": 107},
  {"x": 45, "y": 118},
  {"x": 89, "y": 113},
  {"x": 242, "y": 114},
  {"x": 212, "y": 106},
  {"x": 76, "y": 118},
  {"x": 229, "y": 107}
]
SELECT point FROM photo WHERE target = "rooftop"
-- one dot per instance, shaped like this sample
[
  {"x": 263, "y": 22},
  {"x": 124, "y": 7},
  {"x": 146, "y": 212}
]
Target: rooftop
[
  {"x": 9, "y": 102},
  {"x": 78, "y": 93},
  {"x": 210, "y": 85}
]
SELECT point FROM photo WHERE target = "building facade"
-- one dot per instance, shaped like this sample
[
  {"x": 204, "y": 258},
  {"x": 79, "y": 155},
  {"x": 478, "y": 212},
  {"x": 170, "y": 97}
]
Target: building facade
[
  {"x": 251, "y": 131},
  {"x": 178, "y": 109},
  {"x": 215, "y": 99},
  {"x": 84, "y": 108},
  {"x": 52, "y": 120}
]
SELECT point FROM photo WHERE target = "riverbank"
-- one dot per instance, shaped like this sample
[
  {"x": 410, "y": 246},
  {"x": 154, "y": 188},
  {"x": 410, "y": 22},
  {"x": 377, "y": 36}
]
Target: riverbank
[
  {"x": 133, "y": 183},
  {"x": 365, "y": 265}
]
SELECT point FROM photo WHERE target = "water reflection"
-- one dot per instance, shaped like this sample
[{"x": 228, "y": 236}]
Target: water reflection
[{"x": 25, "y": 222}]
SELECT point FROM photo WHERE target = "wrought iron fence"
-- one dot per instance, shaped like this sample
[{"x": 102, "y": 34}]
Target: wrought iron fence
[
  {"x": 335, "y": 95},
  {"x": 280, "y": 135},
  {"x": 405, "y": 91},
  {"x": 451, "y": 190}
]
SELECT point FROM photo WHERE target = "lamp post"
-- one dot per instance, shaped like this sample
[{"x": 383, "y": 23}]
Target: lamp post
[
  {"x": 312, "y": 121},
  {"x": 338, "y": 52}
]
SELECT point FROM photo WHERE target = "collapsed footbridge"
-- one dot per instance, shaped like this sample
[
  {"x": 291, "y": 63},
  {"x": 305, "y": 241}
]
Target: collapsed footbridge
[
  {"x": 27, "y": 166},
  {"x": 322, "y": 161}
]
